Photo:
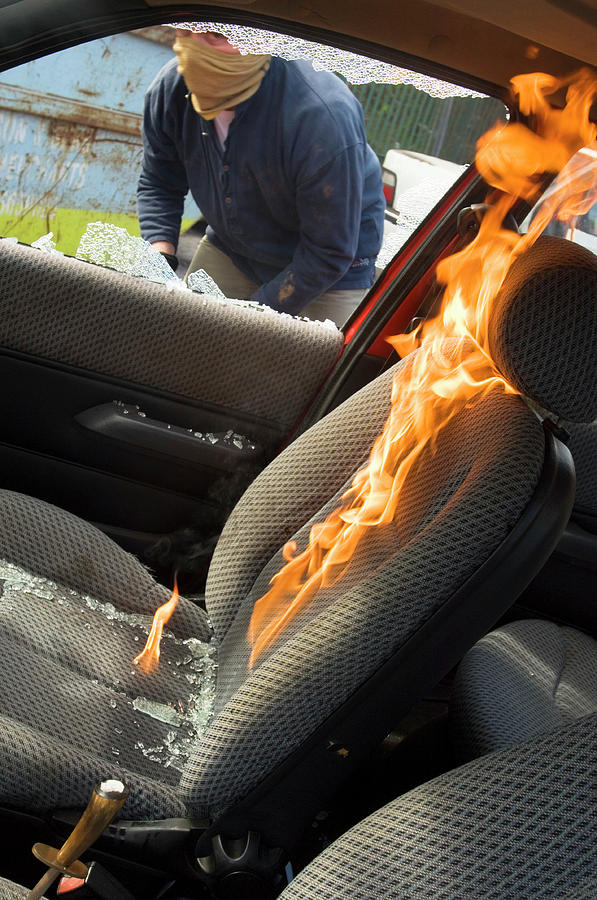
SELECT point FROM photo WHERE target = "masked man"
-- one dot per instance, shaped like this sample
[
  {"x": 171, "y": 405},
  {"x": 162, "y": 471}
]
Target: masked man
[{"x": 275, "y": 156}]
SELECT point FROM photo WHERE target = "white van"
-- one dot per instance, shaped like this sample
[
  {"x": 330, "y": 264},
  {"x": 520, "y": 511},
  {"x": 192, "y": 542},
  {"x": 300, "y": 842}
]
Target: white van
[{"x": 404, "y": 169}]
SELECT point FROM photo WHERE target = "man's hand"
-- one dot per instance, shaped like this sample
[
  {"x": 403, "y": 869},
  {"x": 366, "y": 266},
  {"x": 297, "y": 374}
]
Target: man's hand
[
  {"x": 164, "y": 247},
  {"x": 168, "y": 251}
]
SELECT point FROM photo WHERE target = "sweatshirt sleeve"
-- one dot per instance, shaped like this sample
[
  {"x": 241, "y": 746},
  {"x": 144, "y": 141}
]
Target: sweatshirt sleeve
[
  {"x": 329, "y": 209},
  {"x": 163, "y": 182}
]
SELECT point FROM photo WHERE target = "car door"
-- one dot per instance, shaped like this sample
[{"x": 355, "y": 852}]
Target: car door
[
  {"x": 137, "y": 408},
  {"x": 143, "y": 407}
]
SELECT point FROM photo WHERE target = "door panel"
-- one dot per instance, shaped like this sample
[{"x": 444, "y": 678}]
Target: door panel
[
  {"x": 224, "y": 353},
  {"x": 83, "y": 347}
]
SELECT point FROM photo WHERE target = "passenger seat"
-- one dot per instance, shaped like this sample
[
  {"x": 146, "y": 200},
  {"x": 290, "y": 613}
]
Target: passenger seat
[
  {"x": 532, "y": 676},
  {"x": 522, "y": 680},
  {"x": 514, "y": 824},
  {"x": 11, "y": 891}
]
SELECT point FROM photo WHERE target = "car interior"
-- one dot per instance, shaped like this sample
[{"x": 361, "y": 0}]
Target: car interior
[{"x": 425, "y": 724}]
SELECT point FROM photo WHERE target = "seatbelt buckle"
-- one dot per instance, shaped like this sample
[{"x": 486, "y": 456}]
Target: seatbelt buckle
[
  {"x": 68, "y": 884},
  {"x": 98, "y": 885}
]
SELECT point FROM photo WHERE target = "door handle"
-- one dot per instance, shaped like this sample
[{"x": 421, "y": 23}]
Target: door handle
[{"x": 128, "y": 423}]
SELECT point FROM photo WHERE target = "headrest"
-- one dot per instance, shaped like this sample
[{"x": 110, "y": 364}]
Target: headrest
[{"x": 543, "y": 328}]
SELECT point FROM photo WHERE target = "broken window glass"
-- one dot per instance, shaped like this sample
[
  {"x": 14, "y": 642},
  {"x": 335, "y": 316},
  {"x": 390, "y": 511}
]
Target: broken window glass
[
  {"x": 356, "y": 69},
  {"x": 111, "y": 246},
  {"x": 73, "y": 155},
  {"x": 203, "y": 283}
]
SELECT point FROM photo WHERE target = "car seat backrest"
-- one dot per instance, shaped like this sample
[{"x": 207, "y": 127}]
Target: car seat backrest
[
  {"x": 526, "y": 678},
  {"x": 542, "y": 330},
  {"x": 545, "y": 324},
  {"x": 458, "y": 508},
  {"x": 491, "y": 464}
]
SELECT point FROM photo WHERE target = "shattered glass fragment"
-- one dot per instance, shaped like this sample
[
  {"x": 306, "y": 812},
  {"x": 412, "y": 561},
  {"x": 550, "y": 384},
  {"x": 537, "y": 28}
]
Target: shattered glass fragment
[
  {"x": 356, "y": 69},
  {"x": 194, "y": 665},
  {"x": 267, "y": 310},
  {"x": 202, "y": 283},
  {"x": 191, "y": 714},
  {"x": 395, "y": 235},
  {"x": 160, "y": 711},
  {"x": 46, "y": 244},
  {"x": 413, "y": 206},
  {"x": 328, "y": 323},
  {"x": 236, "y": 440},
  {"x": 175, "y": 285},
  {"x": 112, "y": 246}
]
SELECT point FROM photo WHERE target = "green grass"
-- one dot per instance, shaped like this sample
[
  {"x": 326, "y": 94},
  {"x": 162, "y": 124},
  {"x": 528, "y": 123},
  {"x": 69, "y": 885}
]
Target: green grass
[{"x": 67, "y": 226}]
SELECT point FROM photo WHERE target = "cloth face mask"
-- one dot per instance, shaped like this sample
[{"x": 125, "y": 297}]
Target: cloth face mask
[{"x": 217, "y": 80}]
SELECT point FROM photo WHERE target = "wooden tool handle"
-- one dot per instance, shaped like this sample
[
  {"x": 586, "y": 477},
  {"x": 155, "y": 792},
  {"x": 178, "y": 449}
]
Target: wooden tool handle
[
  {"x": 107, "y": 800},
  {"x": 49, "y": 857},
  {"x": 44, "y": 882}
]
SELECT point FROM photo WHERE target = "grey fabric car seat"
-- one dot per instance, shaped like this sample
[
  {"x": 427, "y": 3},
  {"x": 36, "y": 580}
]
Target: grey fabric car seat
[
  {"x": 478, "y": 518},
  {"x": 11, "y": 891},
  {"x": 522, "y": 680},
  {"x": 519, "y": 823}
]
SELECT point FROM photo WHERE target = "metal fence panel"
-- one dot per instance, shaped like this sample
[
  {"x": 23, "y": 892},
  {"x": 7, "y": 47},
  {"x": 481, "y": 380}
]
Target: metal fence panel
[{"x": 400, "y": 116}]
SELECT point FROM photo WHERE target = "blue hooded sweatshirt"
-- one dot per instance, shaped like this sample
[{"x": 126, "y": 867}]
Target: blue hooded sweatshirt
[{"x": 295, "y": 196}]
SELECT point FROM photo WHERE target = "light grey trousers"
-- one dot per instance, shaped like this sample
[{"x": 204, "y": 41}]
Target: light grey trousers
[{"x": 334, "y": 305}]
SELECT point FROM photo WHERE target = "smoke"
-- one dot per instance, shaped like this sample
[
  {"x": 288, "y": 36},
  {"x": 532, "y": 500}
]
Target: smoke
[{"x": 189, "y": 550}]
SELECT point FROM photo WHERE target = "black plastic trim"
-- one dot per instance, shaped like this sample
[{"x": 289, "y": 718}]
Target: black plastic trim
[
  {"x": 578, "y": 546},
  {"x": 285, "y": 803},
  {"x": 107, "y": 498},
  {"x": 58, "y": 393},
  {"x": 128, "y": 423},
  {"x": 20, "y": 830},
  {"x": 124, "y": 385}
]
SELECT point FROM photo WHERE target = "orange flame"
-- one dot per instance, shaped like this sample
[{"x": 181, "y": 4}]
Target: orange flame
[
  {"x": 514, "y": 158},
  {"x": 436, "y": 384},
  {"x": 149, "y": 658}
]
